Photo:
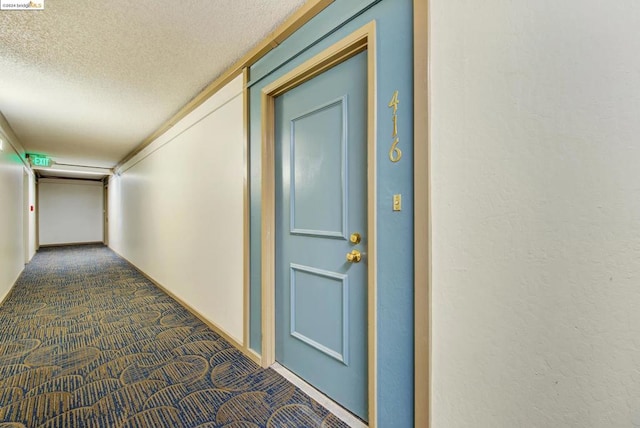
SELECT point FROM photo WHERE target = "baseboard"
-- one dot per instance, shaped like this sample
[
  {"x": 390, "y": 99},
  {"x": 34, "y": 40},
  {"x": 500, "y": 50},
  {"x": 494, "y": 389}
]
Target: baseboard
[
  {"x": 257, "y": 358},
  {"x": 71, "y": 244},
  {"x": 195, "y": 313},
  {"x": 13, "y": 287},
  {"x": 6, "y": 296},
  {"x": 249, "y": 353}
]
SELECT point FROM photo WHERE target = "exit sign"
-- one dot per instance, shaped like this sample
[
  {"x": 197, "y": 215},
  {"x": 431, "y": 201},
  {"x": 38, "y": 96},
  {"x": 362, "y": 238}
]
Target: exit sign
[{"x": 39, "y": 160}]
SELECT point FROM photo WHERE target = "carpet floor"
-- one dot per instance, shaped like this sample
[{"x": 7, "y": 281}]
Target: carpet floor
[{"x": 87, "y": 341}]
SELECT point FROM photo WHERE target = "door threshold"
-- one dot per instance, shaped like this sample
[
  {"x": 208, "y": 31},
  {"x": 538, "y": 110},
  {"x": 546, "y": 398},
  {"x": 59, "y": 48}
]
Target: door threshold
[{"x": 340, "y": 412}]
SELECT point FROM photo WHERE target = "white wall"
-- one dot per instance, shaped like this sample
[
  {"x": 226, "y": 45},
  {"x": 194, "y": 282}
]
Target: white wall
[
  {"x": 70, "y": 211},
  {"x": 536, "y": 213},
  {"x": 29, "y": 213},
  {"x": 176, "y": 210},
  {"x": 11, "y": 239},
  {"x": 12, "y": 215},
  {"x": 33, "y": 244}
]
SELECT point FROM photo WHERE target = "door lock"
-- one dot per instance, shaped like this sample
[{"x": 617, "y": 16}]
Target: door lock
[
  {"x": 355, "y": 238},
  {"x": 354, "y": 256}
]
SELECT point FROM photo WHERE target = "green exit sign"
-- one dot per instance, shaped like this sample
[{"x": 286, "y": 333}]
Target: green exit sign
[{"x": 39, "y": 160}]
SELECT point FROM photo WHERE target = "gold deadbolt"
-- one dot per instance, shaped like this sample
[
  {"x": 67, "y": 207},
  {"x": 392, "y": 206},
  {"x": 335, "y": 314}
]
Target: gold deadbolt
[
  {"x": 354, "y": 256},
  {"x": 355, "y": 238}
]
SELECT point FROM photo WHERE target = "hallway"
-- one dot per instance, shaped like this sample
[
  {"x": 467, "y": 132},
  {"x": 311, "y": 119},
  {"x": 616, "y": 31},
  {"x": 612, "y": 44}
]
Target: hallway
[
  {"x": 428, "y": 210},
  {"x": 86, "y": 340},
  {"x": 170, "y": 152}
]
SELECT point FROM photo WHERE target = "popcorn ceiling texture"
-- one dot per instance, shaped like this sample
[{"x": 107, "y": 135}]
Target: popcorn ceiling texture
[{"x": 86, "y": 81}]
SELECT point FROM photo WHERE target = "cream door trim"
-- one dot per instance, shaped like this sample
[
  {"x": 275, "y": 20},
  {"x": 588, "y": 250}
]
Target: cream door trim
[
  {"x": 422, "y": 215},
  {"x": 246, "y": 228}
]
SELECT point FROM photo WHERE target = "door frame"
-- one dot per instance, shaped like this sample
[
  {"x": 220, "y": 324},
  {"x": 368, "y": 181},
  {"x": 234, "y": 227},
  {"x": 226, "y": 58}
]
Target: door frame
[
  {"x": 359, "y": 41},
  {"x": 422, "y": 215},
  {"x": 105, "y": 209},
  {"x": 26, "y": 205}
]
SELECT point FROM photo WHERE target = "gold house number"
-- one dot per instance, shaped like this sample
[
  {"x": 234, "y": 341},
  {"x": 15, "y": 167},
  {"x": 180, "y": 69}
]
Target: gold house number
[{"x": 395, "y": 154}]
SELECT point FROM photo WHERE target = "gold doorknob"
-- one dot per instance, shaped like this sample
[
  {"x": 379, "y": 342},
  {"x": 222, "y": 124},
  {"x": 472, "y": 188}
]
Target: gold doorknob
[
  {"x": 355, "y": 238},
  {"x": 354, "y": 256}
]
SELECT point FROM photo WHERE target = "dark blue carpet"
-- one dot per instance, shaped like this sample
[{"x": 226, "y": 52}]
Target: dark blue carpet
[{"x": 87, "y": 341}]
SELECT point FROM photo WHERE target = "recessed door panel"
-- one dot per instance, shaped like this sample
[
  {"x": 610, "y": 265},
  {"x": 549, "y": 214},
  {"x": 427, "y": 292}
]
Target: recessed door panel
[
  {"x": 318, "y": 185},
  {"x": 318, "y": 294}
]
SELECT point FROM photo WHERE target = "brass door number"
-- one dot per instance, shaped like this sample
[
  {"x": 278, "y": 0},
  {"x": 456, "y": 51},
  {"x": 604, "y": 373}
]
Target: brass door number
[{"x": 395, "y": 154}]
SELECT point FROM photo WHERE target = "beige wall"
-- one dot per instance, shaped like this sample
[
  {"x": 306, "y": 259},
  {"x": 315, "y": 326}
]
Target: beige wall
[
  {"x": 70, "y": 211},
  {"x": 176, "y": 210},
  {"x": 536, "y": 213},
  {"x": 32, "y": 218},
  {"x": 13, "y": 255}
]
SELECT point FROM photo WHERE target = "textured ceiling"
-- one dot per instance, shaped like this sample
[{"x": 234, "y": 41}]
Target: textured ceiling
[{"x": 86, "y": 81}]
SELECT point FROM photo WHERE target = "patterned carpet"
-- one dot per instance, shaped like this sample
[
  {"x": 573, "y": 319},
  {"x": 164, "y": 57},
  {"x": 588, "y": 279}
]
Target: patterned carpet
[{"x": 87, "y": 341}]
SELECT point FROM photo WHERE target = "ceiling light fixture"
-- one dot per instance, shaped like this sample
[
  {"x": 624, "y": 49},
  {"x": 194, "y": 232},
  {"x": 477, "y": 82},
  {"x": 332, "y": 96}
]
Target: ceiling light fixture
[{"x": 73, "y": 171}]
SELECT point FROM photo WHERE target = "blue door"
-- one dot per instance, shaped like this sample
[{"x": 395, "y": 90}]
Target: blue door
[{"x": 321, "y": 224}]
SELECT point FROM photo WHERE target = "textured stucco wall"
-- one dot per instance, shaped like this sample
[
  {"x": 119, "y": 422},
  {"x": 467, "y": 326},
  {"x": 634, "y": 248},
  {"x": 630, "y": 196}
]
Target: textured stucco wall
[
  {"x": 12, "y": 254},
  {"x": 536, "y": 213}
]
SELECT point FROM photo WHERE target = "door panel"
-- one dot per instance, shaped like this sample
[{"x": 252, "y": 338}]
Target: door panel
[
  {"x": 321, "y": 188},
  {"x": 320, "y": 295},
  {"x": 317, "y": 169}
]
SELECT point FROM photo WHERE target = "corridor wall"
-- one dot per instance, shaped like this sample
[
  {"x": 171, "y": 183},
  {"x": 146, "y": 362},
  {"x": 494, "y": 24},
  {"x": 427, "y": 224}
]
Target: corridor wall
[
  {"x": 71, "y": 211},
  {"x": 31, "y": 217},
  {"x": 536, "y": 215},
  {"x": 176, "y": 210},
  {"x": 13, "y": 254}
]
